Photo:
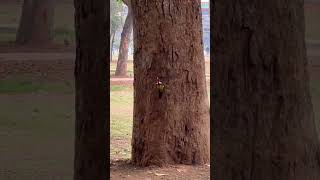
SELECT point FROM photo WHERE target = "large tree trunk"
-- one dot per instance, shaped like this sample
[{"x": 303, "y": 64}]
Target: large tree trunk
[
  {"x": 173, "y": 128},
  {"x": 92, "y": 94},
  {"x": 121, "y": 69},
  {"x": 36, "y": 24},
  {"x": 263, "y": 123}
]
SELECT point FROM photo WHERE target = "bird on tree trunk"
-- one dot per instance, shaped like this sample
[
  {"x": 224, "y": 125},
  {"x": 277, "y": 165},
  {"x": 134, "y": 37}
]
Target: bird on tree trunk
[{"x": 160, "y": 87}]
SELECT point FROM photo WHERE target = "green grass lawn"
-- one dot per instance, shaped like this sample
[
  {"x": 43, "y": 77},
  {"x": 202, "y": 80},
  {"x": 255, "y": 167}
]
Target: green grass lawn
[
  {"x": 25, "y": 84},
  {"x": 36, "y": 131},
  {"x": 37, "y": 126},
  {"x": 121, "y": 113}
]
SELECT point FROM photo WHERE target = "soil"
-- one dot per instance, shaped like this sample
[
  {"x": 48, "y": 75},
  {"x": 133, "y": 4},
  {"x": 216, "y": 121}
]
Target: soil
[
  {"x": 125, "y": 170},
  {"x": 56, "y": 64}
]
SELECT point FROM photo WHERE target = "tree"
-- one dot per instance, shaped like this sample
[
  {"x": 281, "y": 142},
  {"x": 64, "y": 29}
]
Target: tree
[
  {"x": 113, "y": 33},
  {"x": 116, "y": 21},
  {"x": 173, "y": 128},
  {"x": 263, "y": 123},
  {"x": 92, "y": 93},
  {"x": 121, "y": 69},
  {"x": 36, "y": 23}
]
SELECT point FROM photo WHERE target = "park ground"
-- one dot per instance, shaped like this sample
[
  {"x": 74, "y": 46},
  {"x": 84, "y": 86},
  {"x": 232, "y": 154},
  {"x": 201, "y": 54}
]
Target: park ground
[
  {"x": 37, "y": 106},
  {"x": 37, "y": 119}
]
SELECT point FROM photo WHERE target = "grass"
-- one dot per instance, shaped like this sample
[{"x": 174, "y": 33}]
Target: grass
[
  {"x": 23, "y": 84},
  {"x": 120, "y": 88},
  {"x": 121, "y": 110},
  {"x": 37, "y": 136},
  {"x": 37, "y": 126}
]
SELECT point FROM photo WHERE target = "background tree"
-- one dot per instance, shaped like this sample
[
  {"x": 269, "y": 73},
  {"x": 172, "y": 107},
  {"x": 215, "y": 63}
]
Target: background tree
[
  {"x": 92, "y": 93},
  {"x": 263, "y": 122},
  {"x": 36, "y": 23},
  {"x": 116, "y": 21},
  {"x": 168, "y": 44},
  {"x": 121, "y": 69}
]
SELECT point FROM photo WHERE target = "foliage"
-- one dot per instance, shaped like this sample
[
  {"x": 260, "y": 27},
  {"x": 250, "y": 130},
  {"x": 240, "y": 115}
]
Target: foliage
[{"x": 116, "y": 7}]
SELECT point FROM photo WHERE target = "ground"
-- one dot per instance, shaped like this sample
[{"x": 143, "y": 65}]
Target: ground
[
  {"x": 123, "y": 170},
  {"x": 37, "y": 119}
]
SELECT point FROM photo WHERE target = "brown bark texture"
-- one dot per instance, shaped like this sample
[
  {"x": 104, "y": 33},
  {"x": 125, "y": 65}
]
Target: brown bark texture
[
  {"x": 92, "y": 92},
  {"x": 121, "y": 69},
  {"x": 36, "y": 23},
  {"x": 262, "y": 118},
  {"x": 173, "y": 128}
]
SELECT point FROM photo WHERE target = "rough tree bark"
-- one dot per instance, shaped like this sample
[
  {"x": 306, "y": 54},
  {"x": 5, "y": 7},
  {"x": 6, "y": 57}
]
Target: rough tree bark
[
  {"x": 92, "y": 93},
  {"x": 36, "y": 24},
  {"x": 168, "y": 44},
  {"x": 121, "y": 69},
  {"x": 263, "y": 123}
]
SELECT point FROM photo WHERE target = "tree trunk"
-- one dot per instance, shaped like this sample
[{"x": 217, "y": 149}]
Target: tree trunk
[
  {"x": 36, "y": 24},
  {"x": 263, "y": 122},
  {"x": 92, "y": 94},
  {"x": 26, "y": 22},
  {"x": 121, "y": 69},
  {"x": 111, "y": 46},
  {"x": 173, "y": 128}
]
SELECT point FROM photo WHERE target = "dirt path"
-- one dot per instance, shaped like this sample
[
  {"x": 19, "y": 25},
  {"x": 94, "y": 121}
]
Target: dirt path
[
  {"x": 47, "y": 56},
  {"x": 55, "y": 48},
  {"x": 124, "y": 170}
]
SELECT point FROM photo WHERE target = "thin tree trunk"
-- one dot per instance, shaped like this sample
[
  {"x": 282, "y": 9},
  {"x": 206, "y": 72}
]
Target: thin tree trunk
[
  {"x": 263, "y": 123},
  {"x": 111, "y": 46},
  {"x": 36, "y": 24},
  {"x": 92, "y": 94},
  {"x": 121, "y": 69},
  {"x": 173, "y": 128}
]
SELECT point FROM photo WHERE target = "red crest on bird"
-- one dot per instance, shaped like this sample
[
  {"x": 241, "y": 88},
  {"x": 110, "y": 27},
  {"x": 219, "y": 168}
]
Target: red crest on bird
[{"x": 158, "y": 81}]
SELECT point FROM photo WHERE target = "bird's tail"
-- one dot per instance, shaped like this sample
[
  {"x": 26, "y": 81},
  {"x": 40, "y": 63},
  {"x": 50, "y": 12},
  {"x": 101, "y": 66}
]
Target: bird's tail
[{"x": 160, "y": 94}]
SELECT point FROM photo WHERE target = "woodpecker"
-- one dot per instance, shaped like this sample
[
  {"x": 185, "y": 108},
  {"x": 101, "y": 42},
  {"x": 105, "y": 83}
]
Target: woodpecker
[{"x": 160, "y": 87}]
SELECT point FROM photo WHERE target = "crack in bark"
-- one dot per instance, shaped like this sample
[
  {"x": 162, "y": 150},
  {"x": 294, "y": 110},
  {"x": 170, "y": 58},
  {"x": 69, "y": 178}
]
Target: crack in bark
[
  {"x": 247, "y": 59},
  {"x": 162, "y": 7},
  {"x": 247, "y": 53},
  {"x": 252, "y": 151},
  {"x": 161, "y": 36},
  {"x": 172, "y": 56},
  {"x": 172, "y": 21}
]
